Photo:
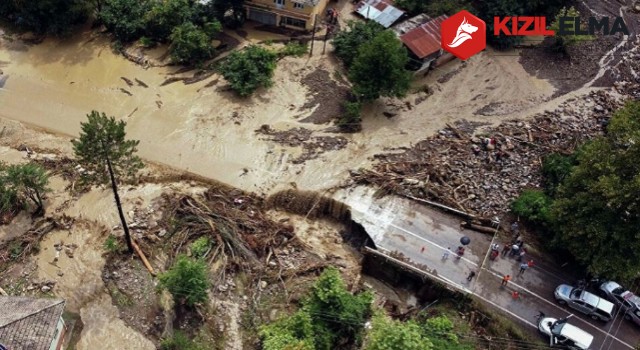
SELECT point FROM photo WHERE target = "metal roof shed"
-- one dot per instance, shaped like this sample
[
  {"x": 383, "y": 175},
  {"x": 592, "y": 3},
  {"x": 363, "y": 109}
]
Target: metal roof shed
[{"x": 380, "y": 11}]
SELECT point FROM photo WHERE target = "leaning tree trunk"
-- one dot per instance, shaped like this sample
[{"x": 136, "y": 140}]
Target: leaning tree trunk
[{"x": 114, "y": 187}]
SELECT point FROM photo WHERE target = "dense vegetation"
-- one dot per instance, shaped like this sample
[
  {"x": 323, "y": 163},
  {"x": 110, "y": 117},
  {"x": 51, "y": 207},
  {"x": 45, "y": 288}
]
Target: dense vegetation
[
  {"x": 249, "y": 69},
  {"x": 591, "y": 202},
  {"x": 21, "y": 184},
  {"x": 333, "y": 318},
  {"x": 379, "y": 68},
  {"x": 187, "y": 281},
  {"x": 187, "y": 24},
  {"x": 376, "y": 61}
]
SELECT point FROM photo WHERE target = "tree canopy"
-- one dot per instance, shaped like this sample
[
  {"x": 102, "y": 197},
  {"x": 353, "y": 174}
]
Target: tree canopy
[
  {"x": 249, "y": 69},
  {"x": 597, "y": 207},
  {"x": 186, "y": 280},
  {"x": 379, "y": 68},
  {"x": 347, "y": 42},
  {"x": 124, "y": 18},
  {"x": 103, "y": 137},
  {"x": 330, "y": 316},
  {"x": 387, "y": 334},
  {"x": 165, "y": 15},
  {"x": 46, "y": 16},
  {"x": 191, "y": 44}
]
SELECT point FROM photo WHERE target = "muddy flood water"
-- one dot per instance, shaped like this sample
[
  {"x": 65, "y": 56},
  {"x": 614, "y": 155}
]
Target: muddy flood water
[{"x": 204, "y": 130}]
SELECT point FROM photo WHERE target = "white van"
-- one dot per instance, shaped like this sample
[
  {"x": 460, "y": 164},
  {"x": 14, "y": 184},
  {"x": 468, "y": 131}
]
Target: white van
[{"x": 562, "y": 334}]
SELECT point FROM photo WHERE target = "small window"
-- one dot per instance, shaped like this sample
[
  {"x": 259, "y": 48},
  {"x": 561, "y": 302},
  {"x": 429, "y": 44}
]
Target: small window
[
  {"x": 293, "y": 22},
  {"x": 279, "y": 2},
  {"x": 297, "y": 5}
]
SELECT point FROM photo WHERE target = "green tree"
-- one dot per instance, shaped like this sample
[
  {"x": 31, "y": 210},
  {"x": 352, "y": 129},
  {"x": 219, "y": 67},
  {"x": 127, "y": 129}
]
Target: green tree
[
  {"x": 190, "y": 44},
  {"x": 8, "y": 194},
  {"x": 229, "y": 12},
  {"x": 387, "y": 334},
  {"x": 165, "y": 15},
  {"x": 561, "y": 42},
  {"x": 294, "y": 332},
  {"x": 379, "y": 68},
  {"x": 555, "y": 168},
  {"x": 30, "y": 183},
  {"x": 46, "y": 16},
  {"x": 124, "y": 18},
  {"x": 533, "y": 205},
  {"x": 338, "y": 316},
  {"x": 249, "y": 69},
  {"x": 596, "y": 210},
  {"x": 440, "y": 331},
  {"x": 186, "y": 280},
  {"x": 347, "y": 42},
  {"x": 107, "y": 156}
]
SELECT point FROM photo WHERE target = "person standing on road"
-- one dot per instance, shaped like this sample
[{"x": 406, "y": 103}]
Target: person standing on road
[
  {"x": 514, "y": 250},
  {"x": 472, "y": 274},
  {"x": 445, "y": 255},
  {"x": 523, "y": 268},
  {"x": 506, "y": 280},
  {"x": 506, "y": 249},
  {"x": 530, "y": 263}
]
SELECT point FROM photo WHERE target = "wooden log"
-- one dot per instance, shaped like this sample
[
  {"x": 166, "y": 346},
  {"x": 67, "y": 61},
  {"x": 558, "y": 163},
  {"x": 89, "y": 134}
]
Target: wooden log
[
  {"x": 143, "y": 257},
  {"x": 479, "y": 228},
  {"x": 3, "y": 293}
]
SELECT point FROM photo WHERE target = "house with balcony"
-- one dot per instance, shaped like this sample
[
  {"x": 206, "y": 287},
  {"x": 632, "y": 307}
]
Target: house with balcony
[
  {"x": 31, "y": 323},
  {"x": 294, "y": 14}
]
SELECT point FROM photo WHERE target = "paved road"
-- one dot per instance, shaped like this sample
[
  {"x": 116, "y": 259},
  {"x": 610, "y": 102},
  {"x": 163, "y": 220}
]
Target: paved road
[{"x": 397, "y": 224}]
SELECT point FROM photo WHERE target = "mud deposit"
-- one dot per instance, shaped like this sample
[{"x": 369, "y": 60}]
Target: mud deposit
[{"x": 326, "y": 96}]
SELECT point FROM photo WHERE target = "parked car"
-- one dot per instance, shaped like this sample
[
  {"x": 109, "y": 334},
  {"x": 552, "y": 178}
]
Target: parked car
[
  {"x": 585, "y": 302},
  {"x": 633, "y": 314},
  {"x": 618, "y": 295},
  {"x": 563, "y": 334}
]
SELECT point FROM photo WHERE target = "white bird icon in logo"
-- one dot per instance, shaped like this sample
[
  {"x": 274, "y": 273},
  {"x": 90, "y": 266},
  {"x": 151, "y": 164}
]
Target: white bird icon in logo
[{"x": 464, "y": 33}]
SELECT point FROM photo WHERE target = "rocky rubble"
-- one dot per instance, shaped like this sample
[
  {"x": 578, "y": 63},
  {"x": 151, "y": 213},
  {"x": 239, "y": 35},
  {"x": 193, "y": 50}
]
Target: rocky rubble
[{"x": 482, "y": 173}]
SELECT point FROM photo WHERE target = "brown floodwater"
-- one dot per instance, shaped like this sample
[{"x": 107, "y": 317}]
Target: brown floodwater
[{"x": 211, "y": 133}]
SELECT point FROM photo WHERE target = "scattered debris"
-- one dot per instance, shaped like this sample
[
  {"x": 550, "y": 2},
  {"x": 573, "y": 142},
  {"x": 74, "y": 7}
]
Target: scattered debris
[
  {"x": 312, "y": 146},
  {"x": 480, "y": 174}
]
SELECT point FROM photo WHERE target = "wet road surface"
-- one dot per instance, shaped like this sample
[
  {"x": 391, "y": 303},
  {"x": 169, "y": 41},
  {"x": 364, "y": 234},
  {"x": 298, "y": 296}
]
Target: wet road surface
[{"x": 423, "y": 234}]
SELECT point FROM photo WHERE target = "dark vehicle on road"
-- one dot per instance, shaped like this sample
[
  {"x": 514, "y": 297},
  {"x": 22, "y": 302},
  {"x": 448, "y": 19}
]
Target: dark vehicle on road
[{"x": 585, "y": 302}]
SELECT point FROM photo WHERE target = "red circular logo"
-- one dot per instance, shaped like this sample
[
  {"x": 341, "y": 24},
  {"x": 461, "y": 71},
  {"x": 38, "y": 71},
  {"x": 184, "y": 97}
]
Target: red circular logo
[{"x": 463, "y": 35}]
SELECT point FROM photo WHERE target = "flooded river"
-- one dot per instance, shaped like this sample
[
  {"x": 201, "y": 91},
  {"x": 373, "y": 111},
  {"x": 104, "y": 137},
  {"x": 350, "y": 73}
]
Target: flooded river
[{"x": 200, "y": 129}]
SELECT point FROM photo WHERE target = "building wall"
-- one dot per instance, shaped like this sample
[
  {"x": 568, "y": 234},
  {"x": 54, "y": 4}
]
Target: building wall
[
  {"x": 287, "y": 11},
  {"x": 56, "y": 343}
]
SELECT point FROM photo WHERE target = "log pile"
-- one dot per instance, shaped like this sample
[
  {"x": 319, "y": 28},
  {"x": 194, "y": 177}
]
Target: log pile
[
  {"x": 234, "y": 220},
  {"x": 482, "y": 173}
]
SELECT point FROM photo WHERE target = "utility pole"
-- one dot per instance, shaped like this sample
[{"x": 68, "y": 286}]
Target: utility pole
[
  {"x": 326, "y": 37},
  {"x": 313, "y": 34}
]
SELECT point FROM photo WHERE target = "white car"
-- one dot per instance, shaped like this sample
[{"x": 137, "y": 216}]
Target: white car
[{"x": 564, "y": 335}]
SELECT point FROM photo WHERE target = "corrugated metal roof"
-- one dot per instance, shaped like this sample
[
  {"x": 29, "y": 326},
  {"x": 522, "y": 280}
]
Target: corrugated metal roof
[
  {"x": 380, "y": 11},
  {"x": 28, "y": 323},
  {"x": 425, "y": 39}
]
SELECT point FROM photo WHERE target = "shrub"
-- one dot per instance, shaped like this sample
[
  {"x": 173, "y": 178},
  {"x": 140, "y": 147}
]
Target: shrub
[
  {"x": 180, "y": 341},
  {"x": 249, "y": 69},
  {"x": 555, "y": 168},
  {"x": 347, "y": 42},
  {"x": 111, "y": 244},
  {"x": 350, "y": 120},
  {"x": 124, "y": 18},
  {"x": 187, "y": 281},
  {"x": 190, "y": 44},
  {"x": 533, "y": 205},
  {"x": 200, "y": 246},
  {"x": 292, "y": 332},
  {"x": 294, "y": 49}
]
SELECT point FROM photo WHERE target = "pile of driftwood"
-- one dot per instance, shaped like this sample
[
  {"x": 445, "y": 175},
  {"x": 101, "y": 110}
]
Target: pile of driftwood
[
  {"x": 234, "y": 221},
  {"x": 480, "y": 174}
]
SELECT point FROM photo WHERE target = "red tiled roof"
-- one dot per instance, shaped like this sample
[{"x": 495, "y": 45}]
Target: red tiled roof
[{"x": 425, "y": 39}]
